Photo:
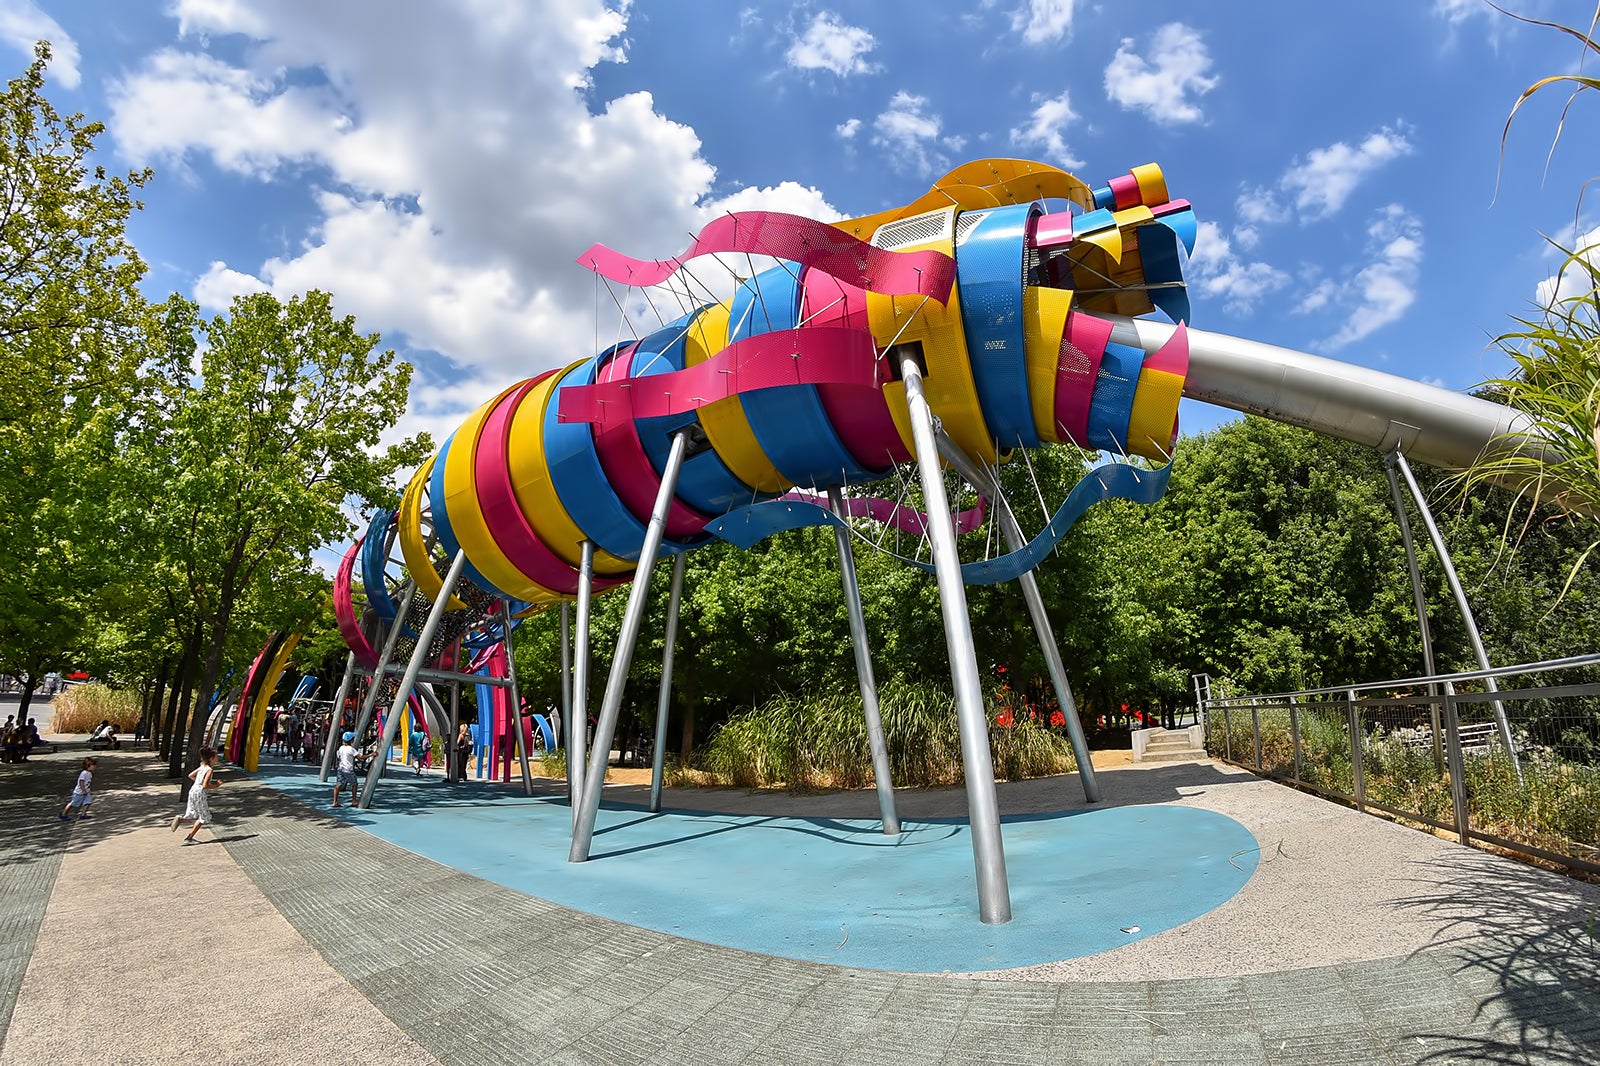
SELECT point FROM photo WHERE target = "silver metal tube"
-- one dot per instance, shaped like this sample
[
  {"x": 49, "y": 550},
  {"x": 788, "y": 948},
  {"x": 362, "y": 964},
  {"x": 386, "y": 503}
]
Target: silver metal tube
[
  {"x": 391, "y": 722},
  {"x": 658, "y": 751},
  {"x": 335, "y": 717},
  {"x": 983, "y": 810},
  {"x": 516, "y": 701},
  {"x": 1012, "y": 531},
  {"x": 876, "y": 744},
  {"x": 565, "y": 699},
  {"x": 1462, "y": 605},
  {"x": 1417, "y": 595},
  {"x": 627, "y": 639},
  {"x": 1294, "y": 737},
  {"x": 1458, "y": 771},
  {"x": 1357, "y": 750},
  {"x": 578, "y": 719},
  {"x": 1255, "y": 727},
  {"x": 1435, "y": 426},
  {"x": 359, "y": 726},
  {"x": 451, "y": 756}
]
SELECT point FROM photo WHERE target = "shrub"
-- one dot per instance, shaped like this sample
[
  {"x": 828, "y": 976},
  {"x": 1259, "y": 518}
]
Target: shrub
[{"x": 83, "y": 707}]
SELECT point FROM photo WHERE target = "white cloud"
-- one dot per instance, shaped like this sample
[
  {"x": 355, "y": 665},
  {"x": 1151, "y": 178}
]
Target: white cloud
[
  {"x": 848, "y": 129},
  {"x": 1382, "y": 291},
  {"x": 1043, "y": 21},
  {"x": 1456, "y": 12},
  {"x": 1574, "y": 281},
  {"x": 833, "y": 45},
  {"x": 1324, "y": 181},
  {"x": 23, "y": 24},
  {"x": 1320, "y": 296},
  {"x": 449, "y": 209},
  {"x": 912, "y": 136},
  {"x": 1217, "y": 271},
  {"x": 1046, "y": 126},
  {"x": 1164, "y": 83}
]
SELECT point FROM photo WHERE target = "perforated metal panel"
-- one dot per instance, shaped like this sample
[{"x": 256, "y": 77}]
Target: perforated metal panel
[
  {"x": 966, "y": 222},
  {"x": 913, "y": 230}
]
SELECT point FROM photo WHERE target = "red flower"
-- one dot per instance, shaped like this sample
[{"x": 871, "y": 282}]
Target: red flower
[
  {"x": 1057, "y": 718},
  {"x": 1004, "y": 719}
]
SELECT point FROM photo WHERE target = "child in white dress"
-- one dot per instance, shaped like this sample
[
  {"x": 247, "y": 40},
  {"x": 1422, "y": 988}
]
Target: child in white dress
[{"x": 204, "y": 778}]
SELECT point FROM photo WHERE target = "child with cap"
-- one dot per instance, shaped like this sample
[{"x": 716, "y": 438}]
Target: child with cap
[{"x": 347, "y": 768}]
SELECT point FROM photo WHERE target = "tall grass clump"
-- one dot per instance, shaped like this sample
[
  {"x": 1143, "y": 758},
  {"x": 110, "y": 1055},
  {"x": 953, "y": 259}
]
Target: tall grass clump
[
  {"x": 83, "y": 707},
  {"x": 820, "y": 741},
  {"x": 554, "y": 764}
]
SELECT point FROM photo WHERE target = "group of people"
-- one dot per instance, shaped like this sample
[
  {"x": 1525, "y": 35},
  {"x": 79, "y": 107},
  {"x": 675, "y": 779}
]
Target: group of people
[
  {"x": 294, "y": 733},
  {"x": 419, "y": 753},
  {"x": 18, "y": 739}
]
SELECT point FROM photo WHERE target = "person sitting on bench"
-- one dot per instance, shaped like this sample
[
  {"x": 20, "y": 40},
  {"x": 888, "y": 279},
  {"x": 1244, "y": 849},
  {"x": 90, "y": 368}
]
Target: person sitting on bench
[{"x": 105, "y": 733}]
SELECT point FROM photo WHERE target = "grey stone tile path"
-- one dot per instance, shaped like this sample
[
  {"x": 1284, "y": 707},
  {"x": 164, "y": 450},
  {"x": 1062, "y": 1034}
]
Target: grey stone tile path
[{"x": 465, "y": 971}]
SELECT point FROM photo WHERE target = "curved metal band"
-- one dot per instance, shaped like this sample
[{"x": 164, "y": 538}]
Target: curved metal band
[
  {"x": 1083, "y": 346},
  {"x": 344, "y": 611},
  {"x": 860, "y": 417},
  {"x": 465, "y": 510},
  {"x": 628, "y": 469},
  {"x": 951, "y": 391},
  {"x": 1112, "y": 404},
  {"x": 990, "y": 260},
  {"x": 460, "y": 443},
  {"x": 419, "y": 563},
  {"x": 1044, "y": 322},
  {"x": 512, "y": 531},
  {"x": 374, "y": 561},
  {"x": 724, "y": 421},
  {"x": 1153, "y": 426},
  {"x": 790, "y": 421},
  {"x": 533, "y": 482}
]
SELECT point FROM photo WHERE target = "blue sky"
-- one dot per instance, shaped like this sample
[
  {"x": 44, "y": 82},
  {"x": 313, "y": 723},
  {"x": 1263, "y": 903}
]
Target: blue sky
[{"x": 438, "y": 165}]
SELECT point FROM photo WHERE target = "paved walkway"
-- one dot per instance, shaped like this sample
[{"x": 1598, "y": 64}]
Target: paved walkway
[{"x": 1355, "y": 941}]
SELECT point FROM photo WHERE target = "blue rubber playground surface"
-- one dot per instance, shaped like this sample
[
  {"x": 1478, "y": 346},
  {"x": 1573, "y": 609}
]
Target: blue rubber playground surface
[{"x": 827, "y": 890}]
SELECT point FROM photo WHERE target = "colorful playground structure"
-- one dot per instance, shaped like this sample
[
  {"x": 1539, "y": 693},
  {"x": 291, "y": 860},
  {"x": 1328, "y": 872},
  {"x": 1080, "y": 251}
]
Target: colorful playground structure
[{"x": 998, "y": 313}]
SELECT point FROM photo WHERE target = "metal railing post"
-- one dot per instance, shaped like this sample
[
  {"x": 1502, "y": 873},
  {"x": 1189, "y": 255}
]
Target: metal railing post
[
  {"x": 1294, "y": 736},
  {"x": 1255, "y": 727},
  {"x": 1356, "y": 768},
  {"x": 1458, "y": 769},
  {"x": 1227, "y": 733}
]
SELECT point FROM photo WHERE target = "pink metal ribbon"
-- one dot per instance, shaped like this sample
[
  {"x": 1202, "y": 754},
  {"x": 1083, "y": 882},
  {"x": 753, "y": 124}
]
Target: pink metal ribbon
[
  {"x": 798, "y": 239},
  {"x": 815, "y": 355},
  {"x": 889, "y": 513}
]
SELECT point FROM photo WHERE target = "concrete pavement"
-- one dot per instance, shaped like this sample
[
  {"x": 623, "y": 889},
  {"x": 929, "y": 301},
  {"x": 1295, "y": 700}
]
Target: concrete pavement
[{"x": 295, "y": 937}]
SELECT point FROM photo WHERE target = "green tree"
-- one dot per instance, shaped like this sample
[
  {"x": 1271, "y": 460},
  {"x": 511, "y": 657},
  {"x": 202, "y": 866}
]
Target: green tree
[
  {"x": 73, "y": 330},
  {"x": 261, "y": 434}
]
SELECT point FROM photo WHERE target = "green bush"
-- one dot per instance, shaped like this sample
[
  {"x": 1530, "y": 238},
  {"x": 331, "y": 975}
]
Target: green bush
[{"x": 820, "y": 741}]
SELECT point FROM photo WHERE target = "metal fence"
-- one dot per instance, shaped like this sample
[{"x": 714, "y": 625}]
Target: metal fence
[{"x": 1517, "y": 768}]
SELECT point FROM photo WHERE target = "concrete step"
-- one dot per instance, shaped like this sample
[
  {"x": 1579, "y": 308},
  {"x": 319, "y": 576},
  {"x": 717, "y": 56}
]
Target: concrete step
[
  {"x": 1177, "y": 755},
  {"x": 1169, "y": 740}
]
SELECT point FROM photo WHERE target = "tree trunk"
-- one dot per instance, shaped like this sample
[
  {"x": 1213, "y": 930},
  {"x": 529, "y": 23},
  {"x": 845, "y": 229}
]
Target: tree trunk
[
  {"x": 208, "y": 683},
  {"x": 27, "y": 697},
  {"x": 179, "y": 685},
  {"x": 151, "y": 719},
  {"x": 175, "y": 759}
]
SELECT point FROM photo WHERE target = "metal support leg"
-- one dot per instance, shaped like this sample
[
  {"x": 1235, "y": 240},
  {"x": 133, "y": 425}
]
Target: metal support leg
[
  {"x": 438, "y": 718},
  {"x": 869, "y": 686},
  {"x": 1358, "y": 749},
  {"x": 1458, "y": 767},
  {"x": 658, "y": 752},
  {"x": 565, "y": 701},
  {"x": 338, "y": 709},
  {"x": 1423, "y": 628},
  {"x": 1012, "y": 531},
  {"x": 391, "y": 721},
  {"x": 359, "y": 726},
  {"x": 455, "y": 766},
  {"x": 638, "y": 596},
  {"x": 1399, "y": 462},
  {"x": 516, "y": 701},
  {"x": 983, "y": 810},
  {"x": 578, "y": 719}
]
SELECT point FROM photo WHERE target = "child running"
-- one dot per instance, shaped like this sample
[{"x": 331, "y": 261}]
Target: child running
[
  {"x": 204, "y": 778},
  {"x": 82, "y": 792}
]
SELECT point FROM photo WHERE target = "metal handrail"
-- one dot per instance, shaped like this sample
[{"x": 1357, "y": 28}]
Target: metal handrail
[{"x": 1592, "y": 659}]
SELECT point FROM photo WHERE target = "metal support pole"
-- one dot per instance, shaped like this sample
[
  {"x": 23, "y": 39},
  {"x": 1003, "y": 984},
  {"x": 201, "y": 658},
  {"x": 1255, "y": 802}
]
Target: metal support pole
[
  {"x": 1357, "y": 749},
  {"x": 1015, "y": 541},
  {"x": 1227, "y": 732},
  {"x": 578, "y": 719},
  {"x": 1461, "y": 603},
  {"x": 397, "y": 627},
  {"x": 391, "y": 722},
  {"x": 1255, "y": 728},
  {"x": 338, "y": 710},
  {"x": 455, "y": 769},
  {"x": 983, "y": 811},
  {"x": 565, "y": 701},
  {"x": 1294, "y": 735},
  {"x": 1458, "y": 769},
  {"x": 876, "y": 744},
  {"x": 670, "y": 640},
  {"x": 440, "y": 717},
  {"x": 627, "y": 639},
  {"x": 516, "y": 700},
  {"x": 1423, "y": 628}
]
